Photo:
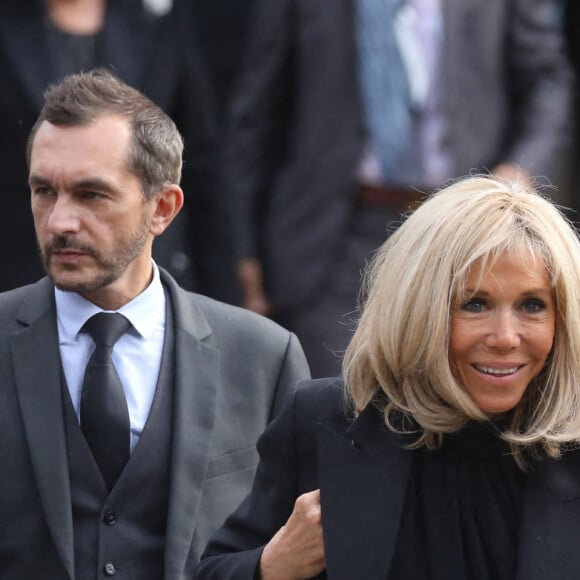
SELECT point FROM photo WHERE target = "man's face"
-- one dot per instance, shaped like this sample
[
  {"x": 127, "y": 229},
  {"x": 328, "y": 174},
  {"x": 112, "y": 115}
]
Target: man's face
[{"x": 91, "y": 219}]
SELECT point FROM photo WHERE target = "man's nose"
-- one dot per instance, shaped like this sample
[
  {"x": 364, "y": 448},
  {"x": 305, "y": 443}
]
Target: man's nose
[{"x": 64, "y": 217}]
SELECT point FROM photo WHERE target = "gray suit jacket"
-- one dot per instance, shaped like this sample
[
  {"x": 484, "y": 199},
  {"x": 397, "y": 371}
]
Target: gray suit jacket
[
  {"x": 296, "y": 133},
  {"x": 232, "y": 370}
]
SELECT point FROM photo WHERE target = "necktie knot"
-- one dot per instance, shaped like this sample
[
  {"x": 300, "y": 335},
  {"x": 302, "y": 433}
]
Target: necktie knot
[{"x": 106, "y": 328}]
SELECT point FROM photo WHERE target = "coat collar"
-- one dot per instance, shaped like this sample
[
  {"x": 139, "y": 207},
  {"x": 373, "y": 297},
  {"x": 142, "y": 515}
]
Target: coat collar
[
  {"x": 368, "y": 465},
  {"x": 39, "y": 388},
  {"x": 363, "y": 474},
  {"x": 196, "y": 378},
  {"x": 550, "y": 521}
]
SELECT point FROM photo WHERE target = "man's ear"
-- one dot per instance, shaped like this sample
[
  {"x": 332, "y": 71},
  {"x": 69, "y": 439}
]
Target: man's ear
[{"x": 168, "y": 203}]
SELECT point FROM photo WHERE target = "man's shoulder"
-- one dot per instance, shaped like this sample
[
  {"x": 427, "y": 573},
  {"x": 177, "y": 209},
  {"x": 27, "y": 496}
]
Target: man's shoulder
[
  {"x": 10, "y": 300},
  {"x": 237, "y": 322},
  {"x": 20, "y": 306},
  {"x": 223, "y": 311},
  {"x": 231, "y": 319}
]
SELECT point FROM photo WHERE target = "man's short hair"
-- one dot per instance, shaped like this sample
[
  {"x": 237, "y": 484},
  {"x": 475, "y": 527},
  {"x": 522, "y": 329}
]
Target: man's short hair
[{"x": 157, "y": 146}]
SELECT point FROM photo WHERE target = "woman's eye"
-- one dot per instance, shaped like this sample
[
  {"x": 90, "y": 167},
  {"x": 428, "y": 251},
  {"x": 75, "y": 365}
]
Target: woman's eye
[
  {"x": 474, "y": 305},
  {"x": 533, "y": 305}
]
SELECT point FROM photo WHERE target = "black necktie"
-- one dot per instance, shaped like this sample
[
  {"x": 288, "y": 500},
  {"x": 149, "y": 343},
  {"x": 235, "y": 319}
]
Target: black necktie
[{"x": 104, "y": 414}]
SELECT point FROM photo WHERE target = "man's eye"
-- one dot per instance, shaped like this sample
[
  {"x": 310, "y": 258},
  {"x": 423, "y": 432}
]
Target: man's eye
[
  {"x": 92, "y": 195},
  {"x": 474, "y": 305}
]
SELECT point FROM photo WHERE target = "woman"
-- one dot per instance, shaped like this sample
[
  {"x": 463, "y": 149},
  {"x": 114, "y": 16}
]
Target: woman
[{"x": 451, "y": 455}]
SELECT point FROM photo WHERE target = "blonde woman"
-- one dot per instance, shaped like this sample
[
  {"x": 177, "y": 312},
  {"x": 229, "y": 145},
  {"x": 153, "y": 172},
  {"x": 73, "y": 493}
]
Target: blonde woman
[{"x": 449, "y": 451}]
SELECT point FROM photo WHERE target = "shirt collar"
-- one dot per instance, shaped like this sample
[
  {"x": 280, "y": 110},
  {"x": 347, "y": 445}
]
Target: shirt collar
[{"x": 144, "y": 311}]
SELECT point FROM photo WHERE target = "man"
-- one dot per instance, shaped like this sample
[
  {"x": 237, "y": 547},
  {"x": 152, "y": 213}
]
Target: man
[
  {"x": 198, "y": 379},
  {"x": 345, "y": 112}
]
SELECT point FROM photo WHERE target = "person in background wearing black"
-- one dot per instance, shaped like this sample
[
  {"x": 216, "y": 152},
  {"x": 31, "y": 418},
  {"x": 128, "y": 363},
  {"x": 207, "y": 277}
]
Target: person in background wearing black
[{"x": 41, "y": 41}]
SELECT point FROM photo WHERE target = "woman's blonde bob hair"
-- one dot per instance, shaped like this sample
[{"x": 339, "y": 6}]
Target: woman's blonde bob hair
[{"x": 401, "y": 343}]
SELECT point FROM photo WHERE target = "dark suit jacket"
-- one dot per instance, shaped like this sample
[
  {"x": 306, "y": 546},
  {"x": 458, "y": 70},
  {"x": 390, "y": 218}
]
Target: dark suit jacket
[
  {"x": 232, "y": 370},
  {"x": 362, "y": 471},
  {"x": 155, "y": 55},
  {"x": 296, "y": 130}
]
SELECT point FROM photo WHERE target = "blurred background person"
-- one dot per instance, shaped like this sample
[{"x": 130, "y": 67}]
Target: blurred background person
[
  {"x": 221, "y": 29},
  {"x": 450, "y": 452},
  {"x": 345, "y": 114},
  {"x": 571, "y": 20},
  {"x": 150, "y": 48}
]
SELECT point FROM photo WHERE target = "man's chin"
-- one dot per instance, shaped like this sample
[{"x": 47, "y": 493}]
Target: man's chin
[
  {"x": 72, "y": 286},
  {"x": 77, "y": 282}
]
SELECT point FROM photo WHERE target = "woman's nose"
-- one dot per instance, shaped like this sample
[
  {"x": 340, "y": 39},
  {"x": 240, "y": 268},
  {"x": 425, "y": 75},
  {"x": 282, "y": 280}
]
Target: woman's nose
[{"x": 504, "y": 332}]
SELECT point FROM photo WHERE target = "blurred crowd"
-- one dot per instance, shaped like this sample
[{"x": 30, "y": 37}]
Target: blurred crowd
[{"x": 311, "y": 128}]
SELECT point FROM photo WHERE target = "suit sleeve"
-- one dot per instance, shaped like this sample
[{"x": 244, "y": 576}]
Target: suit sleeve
[
  {"x": 257, "y": 119},
  {"x": 540, "y": 84},
  {"x": 235, "y": 550}
]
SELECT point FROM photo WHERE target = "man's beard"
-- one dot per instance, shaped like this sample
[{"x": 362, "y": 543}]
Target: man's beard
[{"x": 105, "y": 269}]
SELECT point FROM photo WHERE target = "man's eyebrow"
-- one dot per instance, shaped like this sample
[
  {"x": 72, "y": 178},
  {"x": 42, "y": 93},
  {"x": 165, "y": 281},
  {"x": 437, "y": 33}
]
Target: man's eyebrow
[
  {"x": 94, "y": 183},
  {"x": 37, "y": 180},
  {"x": 88, "y": 183}
]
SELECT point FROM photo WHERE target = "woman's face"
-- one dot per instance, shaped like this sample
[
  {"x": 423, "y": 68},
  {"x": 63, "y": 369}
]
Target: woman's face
[{"x": 502, "y": 330}]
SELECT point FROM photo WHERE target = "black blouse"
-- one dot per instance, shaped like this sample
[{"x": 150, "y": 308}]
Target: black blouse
[
  {"x": 462, "y": 510},
  {"x": 71, "y": 53}
]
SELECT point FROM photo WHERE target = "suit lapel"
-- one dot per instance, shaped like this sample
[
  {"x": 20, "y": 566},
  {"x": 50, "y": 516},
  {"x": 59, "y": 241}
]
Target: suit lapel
[
  {"x": 196, "y": 379},
  {"x": 363, "y": 477},
  {"x": 39, "y": 388},
  {"x": 549, "y": 541}
]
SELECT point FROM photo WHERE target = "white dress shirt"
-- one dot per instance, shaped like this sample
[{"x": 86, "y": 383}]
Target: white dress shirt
[{"x": 136, "y": 355}]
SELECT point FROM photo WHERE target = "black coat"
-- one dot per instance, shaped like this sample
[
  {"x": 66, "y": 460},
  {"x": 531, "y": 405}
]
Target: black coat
[{"x": 362, "y": 470}]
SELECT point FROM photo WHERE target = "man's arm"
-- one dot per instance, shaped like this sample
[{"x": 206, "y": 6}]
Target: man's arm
[
  {"x": 540, "y": 85},
  {"x": 256, "y": 136}
]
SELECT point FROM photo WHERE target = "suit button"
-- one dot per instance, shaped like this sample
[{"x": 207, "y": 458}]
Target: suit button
[
  {"x": 110, "y": 569},
  {"x": 110, "y": 518}
]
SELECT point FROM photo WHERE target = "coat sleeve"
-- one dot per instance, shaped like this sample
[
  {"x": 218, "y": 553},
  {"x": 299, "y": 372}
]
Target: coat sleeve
[
  {"x": 540, "y": 82},
  {"x": 258, "y": 119},
  {"x": 234, "y": 551},
  {"x": 288, "y": 468}
]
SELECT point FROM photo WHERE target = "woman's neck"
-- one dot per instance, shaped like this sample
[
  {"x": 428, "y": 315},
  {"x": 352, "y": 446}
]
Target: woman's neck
[{"x": 77, "y": 16}]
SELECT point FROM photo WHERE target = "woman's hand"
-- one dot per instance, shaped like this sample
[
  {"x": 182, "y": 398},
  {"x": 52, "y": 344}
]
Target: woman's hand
[{"x": 296, "y": 551}]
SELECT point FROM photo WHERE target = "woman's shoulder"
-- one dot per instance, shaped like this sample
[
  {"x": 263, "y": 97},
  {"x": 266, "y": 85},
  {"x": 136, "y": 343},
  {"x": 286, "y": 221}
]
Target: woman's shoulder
[
  {"x": 322, "y": 400},
  {"x": 325, "y": 393}
]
